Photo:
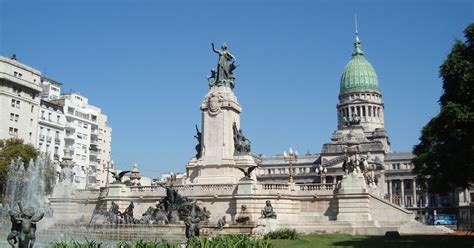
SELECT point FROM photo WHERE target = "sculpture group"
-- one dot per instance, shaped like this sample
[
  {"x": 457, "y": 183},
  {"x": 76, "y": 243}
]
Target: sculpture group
[
  {"x": 224, "y": 75},
  {"x": 241, "y": 144}
]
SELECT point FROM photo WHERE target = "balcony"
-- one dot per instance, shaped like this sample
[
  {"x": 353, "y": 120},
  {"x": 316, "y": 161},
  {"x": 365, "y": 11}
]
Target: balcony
[
  {"x": 49, "y": 139},
  {"x": 68, "y": 155},
  {"x": 93, "y": 153},
  {"x": 94, "y": 142},
  {"x": 69, "y": 150},
  {"x": 42, "y": 137},
  {"x": 69, "y": 136},
  {"x": 57, "y": 141},
  {"x": 70, "y": 126}
]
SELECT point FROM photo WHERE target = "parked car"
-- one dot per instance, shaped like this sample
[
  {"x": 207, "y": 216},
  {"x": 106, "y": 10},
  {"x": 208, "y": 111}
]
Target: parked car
[{"x": 442, "y": 219}]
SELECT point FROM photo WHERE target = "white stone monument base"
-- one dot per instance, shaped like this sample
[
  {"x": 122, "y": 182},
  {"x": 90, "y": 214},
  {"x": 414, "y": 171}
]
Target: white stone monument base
[
  {"x": 354, "y": 200},
  {"x": 220, "y": 171}
]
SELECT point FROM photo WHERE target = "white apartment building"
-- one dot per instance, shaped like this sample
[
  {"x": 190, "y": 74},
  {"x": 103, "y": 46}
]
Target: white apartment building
[
  {"x": 19, "y": 100},
  {"x": 51, "y": 89},
  {"x": 104, "y": 150},
  {"x": 82, "y": 138},
  {"x": 51, "y": 130}
]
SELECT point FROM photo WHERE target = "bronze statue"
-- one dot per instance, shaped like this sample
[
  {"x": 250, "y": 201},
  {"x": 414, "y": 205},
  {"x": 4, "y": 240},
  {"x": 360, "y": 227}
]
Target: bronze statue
[
  {"x": 241, "y": 144},
  {"x": 212, "y": 78},
  {"x": 248, "y": 172},
  {"x": 224, "y": 75},
  {"x": 198, "y": 136},
  {"x": 268, "y": 212},
  {"x": 221, "y": 223},
  {"x": 118, "y": 176},
  {"x": 128, "y": 214},
  {"x": 352, "y": 120},
  {"x": 23, "y": 227}
]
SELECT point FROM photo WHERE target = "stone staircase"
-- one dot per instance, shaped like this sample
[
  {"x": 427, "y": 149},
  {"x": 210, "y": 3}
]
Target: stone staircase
[{"x": 415, "y": 227}]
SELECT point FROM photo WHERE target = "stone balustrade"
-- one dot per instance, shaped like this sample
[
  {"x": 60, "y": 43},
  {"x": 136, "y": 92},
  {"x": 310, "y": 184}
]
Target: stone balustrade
[
  {"x": 273, "y": 186},
  {"x": 187, "y": 188},
  {"x": 314, "y": 187}
]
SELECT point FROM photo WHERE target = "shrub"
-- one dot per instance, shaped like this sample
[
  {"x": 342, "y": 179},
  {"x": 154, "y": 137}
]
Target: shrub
[
  {"x": 235, "y": 241},
  {"x": 282, "y": 234},
  {"x": 77, "y": 244}
]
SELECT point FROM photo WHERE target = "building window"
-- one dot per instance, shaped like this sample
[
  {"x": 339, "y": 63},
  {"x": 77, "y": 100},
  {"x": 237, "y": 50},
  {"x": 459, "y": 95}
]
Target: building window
[
  {"x": 12, "y": 116},
  {"x": 17, "y": 117},
  {"x": 13, "y": 131},
  {"x": 17, "y": 104},
  {"x": 32, "y": 108}
]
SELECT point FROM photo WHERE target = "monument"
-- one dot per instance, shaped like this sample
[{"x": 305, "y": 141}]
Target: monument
[{"x": 222, "y": 147}]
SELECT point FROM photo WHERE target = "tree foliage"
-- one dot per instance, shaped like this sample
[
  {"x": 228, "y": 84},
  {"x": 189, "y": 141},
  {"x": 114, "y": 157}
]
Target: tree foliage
[
  {"x": 49, "y": 174},
  {"x": 11, "y": 149},
  {"x": 445, "y": 155}
]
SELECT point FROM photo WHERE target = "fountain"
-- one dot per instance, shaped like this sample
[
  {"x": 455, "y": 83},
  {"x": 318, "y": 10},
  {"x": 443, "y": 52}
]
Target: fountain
[
  {"x": 26, "y": 185},
  {"x": 26, "y": 201}
]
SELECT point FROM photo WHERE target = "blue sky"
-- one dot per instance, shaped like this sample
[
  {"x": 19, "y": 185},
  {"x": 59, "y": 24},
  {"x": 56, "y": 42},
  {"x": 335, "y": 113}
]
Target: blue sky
[{"x": 145, "y": 64}]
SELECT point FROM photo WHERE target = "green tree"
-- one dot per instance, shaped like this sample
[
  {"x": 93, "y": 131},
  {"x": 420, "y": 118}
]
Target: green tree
[
  {"x": 11, "y": 149},
  {"x": 445, "y": 155},
  {"x": 49, "y": 174}
]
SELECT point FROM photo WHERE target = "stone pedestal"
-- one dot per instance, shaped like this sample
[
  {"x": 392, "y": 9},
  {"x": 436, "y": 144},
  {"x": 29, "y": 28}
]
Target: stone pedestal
[
  {"x": 264, "y": 226},
  {"x": 353, "y": 199},
  {"x": 218, "y": 163},
  {"x": 245, "y": 187},
  {"x": 63, "y": 204}
]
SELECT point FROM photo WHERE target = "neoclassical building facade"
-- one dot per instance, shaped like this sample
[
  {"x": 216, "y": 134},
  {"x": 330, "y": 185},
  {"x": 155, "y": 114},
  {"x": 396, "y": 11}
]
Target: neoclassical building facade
[{"x": 360, "y": 119}]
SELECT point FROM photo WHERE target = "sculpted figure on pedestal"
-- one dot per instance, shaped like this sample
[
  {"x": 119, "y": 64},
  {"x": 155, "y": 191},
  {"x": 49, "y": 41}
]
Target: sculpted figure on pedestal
[
  {"x": 225, "y": 68},
  {"x": 221, "y": 223},
  {"x": 198, "y": 147},
  {"x": 241, "y": 144},
  {"x": 267, "y": 211}
]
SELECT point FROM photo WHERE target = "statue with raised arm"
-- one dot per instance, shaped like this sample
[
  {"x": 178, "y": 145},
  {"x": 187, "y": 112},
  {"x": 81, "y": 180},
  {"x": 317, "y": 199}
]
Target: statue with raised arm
[
  {"x": 224, "y": 75},
  {"x": 198, "y": 147}
]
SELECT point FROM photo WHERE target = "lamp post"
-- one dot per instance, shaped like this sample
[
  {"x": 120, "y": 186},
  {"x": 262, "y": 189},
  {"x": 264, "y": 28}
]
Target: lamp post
[
  {"x": 321, "y": 171},
  {"x": 110, "y": 165},
  {"x": 290, "y": 157}
]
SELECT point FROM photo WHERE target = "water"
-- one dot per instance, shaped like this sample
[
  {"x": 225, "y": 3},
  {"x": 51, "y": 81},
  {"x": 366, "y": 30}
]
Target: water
[{"x": 26, "y": 185}]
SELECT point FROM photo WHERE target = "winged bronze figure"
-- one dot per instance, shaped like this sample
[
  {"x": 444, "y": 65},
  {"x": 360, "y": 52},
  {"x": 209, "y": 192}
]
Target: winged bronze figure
[
  {"x": 118, "y": 176},
  {"x": 247, "y": 172}
]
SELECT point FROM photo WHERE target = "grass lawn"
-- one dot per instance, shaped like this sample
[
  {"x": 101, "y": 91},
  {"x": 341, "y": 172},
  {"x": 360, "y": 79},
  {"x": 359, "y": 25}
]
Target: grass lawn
[{"x": 344, "y": 240}]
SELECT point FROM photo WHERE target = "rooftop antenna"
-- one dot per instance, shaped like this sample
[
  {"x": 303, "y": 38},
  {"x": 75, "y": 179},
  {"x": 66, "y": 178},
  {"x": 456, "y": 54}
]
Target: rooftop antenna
[
  {"x": 355, "y": 20},
  {"x": 357, "y": 43}
]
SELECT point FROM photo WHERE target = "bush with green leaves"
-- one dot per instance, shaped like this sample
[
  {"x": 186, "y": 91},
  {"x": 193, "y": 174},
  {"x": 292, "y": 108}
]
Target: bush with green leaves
[
  {"x": 282, "y": 234},
  {"x": 234, "y": 241},
  {"x": 77, "y": 244},
  {"x": 148, "y": 244}
]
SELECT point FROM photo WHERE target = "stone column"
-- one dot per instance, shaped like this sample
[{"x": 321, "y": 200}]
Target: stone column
[
  {"x": 414, "y": 193},
  {"x": 389, "y": 190},
  {"x": 426, "y": 200},
  {"x": 402, "y": 192}
]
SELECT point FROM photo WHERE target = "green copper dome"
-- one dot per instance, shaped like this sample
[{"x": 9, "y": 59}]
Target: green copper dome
[{"x": 359, "y": 75}]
